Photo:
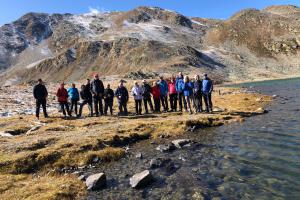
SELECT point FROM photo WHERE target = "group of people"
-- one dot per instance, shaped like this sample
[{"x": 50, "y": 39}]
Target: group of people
[{"x": 178, "y": 91}]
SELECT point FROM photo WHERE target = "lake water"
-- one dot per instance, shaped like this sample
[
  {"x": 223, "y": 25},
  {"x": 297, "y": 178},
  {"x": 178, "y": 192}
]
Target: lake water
[{"x": 255, "y": 159}]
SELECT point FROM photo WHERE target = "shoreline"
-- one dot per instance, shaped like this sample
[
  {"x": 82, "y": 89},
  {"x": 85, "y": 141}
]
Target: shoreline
[
  {"x": 57, "y": 147},
  {"x": 259, "y": 80}
]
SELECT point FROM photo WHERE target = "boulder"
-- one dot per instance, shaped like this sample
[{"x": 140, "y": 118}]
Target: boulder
[
  {"x": 96, "y": 181},
  {"x": 181, "y": 142},
  {"x": 141, "y": 179},
  {"x": 82, "y": 178}
]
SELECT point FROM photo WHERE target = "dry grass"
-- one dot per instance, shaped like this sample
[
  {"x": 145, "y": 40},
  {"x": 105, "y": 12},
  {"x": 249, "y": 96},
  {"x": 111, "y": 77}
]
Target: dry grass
[
  {"x": 40, "y": 187},
  {"x": 65, "y": 143}
]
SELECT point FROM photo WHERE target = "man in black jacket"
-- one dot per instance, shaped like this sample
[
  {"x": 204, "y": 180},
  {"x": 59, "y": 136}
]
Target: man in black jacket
[
  {"x": 87, "y": 98},
  {"x": 122, "y": 95},
  {"x": 97, "y": 89},
  {"x": 108, "y": 100},
  {"x": 147, "y": 96},
  {"x": 197, "y": 90},
  {"x": 40, "y": 94}
]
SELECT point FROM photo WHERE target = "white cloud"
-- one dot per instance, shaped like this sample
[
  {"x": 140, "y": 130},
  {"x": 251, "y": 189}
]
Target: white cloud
[{"x": 97, "y": 10}]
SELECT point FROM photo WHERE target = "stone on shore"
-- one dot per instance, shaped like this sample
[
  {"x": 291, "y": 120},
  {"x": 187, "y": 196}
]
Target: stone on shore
[
  {"x": 181, "y": 142},
  {"x": 141, "y": 179},
  {"x": 96, "y": 181}
]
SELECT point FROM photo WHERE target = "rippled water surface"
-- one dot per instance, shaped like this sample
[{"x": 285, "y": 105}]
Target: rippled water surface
[{"x": 256, "y": 159}]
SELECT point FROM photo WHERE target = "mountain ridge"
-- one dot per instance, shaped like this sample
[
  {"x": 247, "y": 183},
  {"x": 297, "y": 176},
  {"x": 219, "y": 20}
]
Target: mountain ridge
[{"x": 250, "y": 44}]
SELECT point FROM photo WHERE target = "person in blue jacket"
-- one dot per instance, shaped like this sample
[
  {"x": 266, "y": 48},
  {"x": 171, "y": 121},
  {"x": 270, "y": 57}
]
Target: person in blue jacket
[
  {"x": 179, "y": 86},
  {"x": 74, "y": 98},
  {"x": 163, "y": 86},
  {"x": 207, "y": 88},
  {"x": 188, "y": 93}
]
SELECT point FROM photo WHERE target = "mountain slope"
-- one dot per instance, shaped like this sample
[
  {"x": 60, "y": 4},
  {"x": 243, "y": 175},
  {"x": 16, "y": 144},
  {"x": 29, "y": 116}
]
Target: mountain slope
[{"x": 251, "y": 44}]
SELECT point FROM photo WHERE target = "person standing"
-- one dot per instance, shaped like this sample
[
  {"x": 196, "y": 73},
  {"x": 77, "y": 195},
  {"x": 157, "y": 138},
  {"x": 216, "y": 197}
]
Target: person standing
[
  {"x": 155, "y": 91},
  {"x": 179, "y": 86},
  {"x": 108, "y": 100},
  {"x": 62, "y": 96},
  {"x": 147, "y": 96},
  {"x": 163, "y": 86},
  {"x": 74, "y": 98},
  {"x": 207, "y": 88},
  {"x": 122, "y": 95},
  {"x": 87, "y": 98},
  {"x": 173, "y": 94},
  {"x": 198, "y": 93},
  {"x": 40, "y": 94},
  {"x": 137, "y": 93},
  {"x": 97, "y": 89},
  {"x": 188, "y": 93}
]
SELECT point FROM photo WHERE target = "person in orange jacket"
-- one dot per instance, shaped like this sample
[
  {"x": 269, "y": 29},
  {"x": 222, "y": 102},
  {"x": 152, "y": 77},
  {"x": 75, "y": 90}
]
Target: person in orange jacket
[{"x": 62, "y": 97}]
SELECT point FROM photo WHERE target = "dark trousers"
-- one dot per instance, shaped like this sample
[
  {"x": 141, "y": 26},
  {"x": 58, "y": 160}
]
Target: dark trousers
[
  {"x": 122, "y": 108},
  {"x": 98, "y": 104},
  {"x": 65, "y": 106},
  {"x": 198, "y": 102},
  {"x": 108, "y": 105},
  {"x": 181, "y": 101},
  {"x": 138, "y": 107},
  {"x": 148, "y": 101},
  {"x": 74, "y": 104},
  {"x": 90, "y": 105},
  {"x": 157, "y": 104},
  {"x": 173, "y": 102},
  {"x": 208, "y": 102},
  {"x": 39, "y": 103},
  {"x": 164, "y": 102}
]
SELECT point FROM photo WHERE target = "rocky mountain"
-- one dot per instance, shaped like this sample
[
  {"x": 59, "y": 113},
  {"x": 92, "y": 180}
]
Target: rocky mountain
[{"x": 251, "y": 44}]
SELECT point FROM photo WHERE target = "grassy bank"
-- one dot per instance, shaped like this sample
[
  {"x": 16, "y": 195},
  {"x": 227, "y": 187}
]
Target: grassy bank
[{"x": 35, "y": 160}]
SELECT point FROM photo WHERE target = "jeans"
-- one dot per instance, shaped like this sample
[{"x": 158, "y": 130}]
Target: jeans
[
  {"x": 208, "y": 102},
  {"x": 138, "y": 107},
  {"x": 39, "y": 103},
  {"x": 181, "y": 100},
  {"x": 189, "y": 101},
  {"x": 198, "y": 102},
  {"x": 157, "y": 104},
  {"x": 148, "y": 101},
  {"x": 65, "y": 106},
  {"x": 164, "y": 102},
  {"x": 122, "y": 108},
  {"x": 90, "y": 105},
  {"x": 173, "y": 101},
  {"x": 98, "y": 104},
  {"x": 74, "y": 104}
]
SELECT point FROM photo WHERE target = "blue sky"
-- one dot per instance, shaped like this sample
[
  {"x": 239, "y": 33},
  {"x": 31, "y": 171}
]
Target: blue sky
[{"x": 11, "y": 10}]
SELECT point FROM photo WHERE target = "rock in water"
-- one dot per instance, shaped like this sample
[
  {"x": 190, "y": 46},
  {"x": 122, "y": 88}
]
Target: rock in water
[
  {"x": 166, "y": 148},
  {"x": 141, "y": 179},
  {"x": 181, "y": 142},
  {"x": 96, "y": 181}
]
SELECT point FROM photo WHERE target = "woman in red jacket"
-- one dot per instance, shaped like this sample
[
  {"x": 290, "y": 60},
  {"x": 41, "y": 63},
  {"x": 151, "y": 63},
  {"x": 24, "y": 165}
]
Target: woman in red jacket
[
  {"x": 62, "y": 97},
  {"x": 172, "y": 94},
  {"x": 155, "y": 91}
]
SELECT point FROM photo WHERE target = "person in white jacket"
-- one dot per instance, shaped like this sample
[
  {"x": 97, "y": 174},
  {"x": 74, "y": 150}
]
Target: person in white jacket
[{"x": 137, "y": 93}]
